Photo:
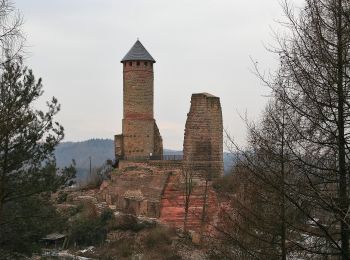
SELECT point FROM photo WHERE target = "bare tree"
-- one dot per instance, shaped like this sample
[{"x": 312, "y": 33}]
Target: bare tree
[
  {"x": 187, "y": 172},
  {"x": 315, "y": 59},
  {"x": 315, "y": 62},
  {"x": 261, "y": 219},
  {"x": 11, "y": 36}
]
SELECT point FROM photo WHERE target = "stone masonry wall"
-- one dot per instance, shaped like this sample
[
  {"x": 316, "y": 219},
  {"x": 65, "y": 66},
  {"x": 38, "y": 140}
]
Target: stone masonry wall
[
  {"x": 203, "y": 141},
  {"x": 118, "y": 146},
  {"x": 141, "y": 135},
  {"x": 138, "y": 90},
  {"x": 136, "y": 188},
  {"x": 158, "y": 141},
  {"x": 138, "y": 137}
]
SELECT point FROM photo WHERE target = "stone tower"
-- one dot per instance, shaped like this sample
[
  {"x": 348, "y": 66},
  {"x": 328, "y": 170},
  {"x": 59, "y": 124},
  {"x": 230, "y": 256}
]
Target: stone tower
[
  {"x": 203, "y": 141},
  {"x": 140, "y": 137}
]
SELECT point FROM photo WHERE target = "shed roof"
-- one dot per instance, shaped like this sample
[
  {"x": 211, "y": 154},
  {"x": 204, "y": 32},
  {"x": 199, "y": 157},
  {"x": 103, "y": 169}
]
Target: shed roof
[
  {"x": 54, "y": 236},
  {"x": 138, "y": 52}
]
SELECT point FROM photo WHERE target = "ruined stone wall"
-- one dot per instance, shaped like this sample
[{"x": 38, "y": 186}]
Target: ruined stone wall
[
  {"x": 203, "y": 141},
  {"x": 158, "y": 141},
  {"x": 135, "y": 188},
  {"x": 118, "y": 146},
  {"x": 175, "y": 165}
]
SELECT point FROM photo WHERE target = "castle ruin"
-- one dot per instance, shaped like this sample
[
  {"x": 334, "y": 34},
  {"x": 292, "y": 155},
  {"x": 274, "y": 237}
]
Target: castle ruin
[
  {"x": 203, "y": 141},
  {"x": 146, "y": 182}
]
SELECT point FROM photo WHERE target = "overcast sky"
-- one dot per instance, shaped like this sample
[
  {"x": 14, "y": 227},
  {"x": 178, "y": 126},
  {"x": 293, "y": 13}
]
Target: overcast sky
[{"x": 199, "y": 45}]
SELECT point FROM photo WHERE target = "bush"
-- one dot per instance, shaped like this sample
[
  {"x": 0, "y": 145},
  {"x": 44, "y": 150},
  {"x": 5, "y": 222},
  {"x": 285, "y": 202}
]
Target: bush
[
  {"x": 90, "y": 229},
  {"x": 127, "y": 222},
  {"x": 224, "y": 184},
  {"x": 106, "y": 216},
  {"x": 122, "y": 249},
  {"x": 158, "y": 244},
  {"x": 156, "y": 237},
  {"x": 87, "y": 232},
  {"x": 125, "y": 248},
  {"x": 62, "y": 197},
  {"x": 23, "y": 231}
]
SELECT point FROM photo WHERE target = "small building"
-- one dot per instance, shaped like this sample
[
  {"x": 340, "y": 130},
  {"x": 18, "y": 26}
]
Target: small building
[{"x": 54, "y": 240}]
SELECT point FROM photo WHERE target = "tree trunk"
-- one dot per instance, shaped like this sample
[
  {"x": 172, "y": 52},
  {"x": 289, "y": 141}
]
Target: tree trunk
[
  {"x": 283, "y": 204},
  {"x": 341, "y": 140}
]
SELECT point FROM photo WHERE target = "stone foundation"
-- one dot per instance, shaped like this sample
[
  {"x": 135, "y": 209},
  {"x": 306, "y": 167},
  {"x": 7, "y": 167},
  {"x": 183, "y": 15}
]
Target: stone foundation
[
  {"x": 155, "y": 189},
  {"x": 135, "y": 188}
]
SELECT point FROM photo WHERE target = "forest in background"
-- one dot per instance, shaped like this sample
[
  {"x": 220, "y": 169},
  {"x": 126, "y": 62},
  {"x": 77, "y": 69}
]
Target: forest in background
[
  {"x": 101, "y": 150},
  {"x": 288, "y": 195}
]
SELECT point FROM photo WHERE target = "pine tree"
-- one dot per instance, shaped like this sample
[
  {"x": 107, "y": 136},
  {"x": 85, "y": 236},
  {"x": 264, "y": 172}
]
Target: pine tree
[{"x": 27, "y": 165}]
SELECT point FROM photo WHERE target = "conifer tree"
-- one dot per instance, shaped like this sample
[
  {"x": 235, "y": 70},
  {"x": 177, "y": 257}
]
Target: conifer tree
[{"x": 27, "y": 164}]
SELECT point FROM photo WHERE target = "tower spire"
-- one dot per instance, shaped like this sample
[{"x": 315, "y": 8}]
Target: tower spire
[{"x": 138, "y": 53}]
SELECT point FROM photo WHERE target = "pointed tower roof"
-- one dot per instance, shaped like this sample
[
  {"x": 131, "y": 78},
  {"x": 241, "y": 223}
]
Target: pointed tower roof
[{"x": 138, "y": 52}]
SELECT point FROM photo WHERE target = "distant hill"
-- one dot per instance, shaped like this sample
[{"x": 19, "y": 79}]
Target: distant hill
[
  {"x": 98, "y": 149},
  {"x": 101, "y": 150}
]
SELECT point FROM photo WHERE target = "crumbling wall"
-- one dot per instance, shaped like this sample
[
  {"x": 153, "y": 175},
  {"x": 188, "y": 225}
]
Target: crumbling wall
[
  {"x": 158, "y": 141},
  {"x": 118, "y": 146},
  {"x": 136, "y": 188},
  {"x": 203, "y": 141}
]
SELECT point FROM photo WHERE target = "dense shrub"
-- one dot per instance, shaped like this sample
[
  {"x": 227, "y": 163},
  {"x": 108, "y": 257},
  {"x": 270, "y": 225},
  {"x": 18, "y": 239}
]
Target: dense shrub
[
  {"x": 87, "y": 232},
  {"x": 25, "y": 222},
  {"x": 62, "y": 197},
  {"x": 157, "y": 236},
  {"x": 106, "y": 216},
  {"x": 127, "y": 222},
  {"x": 90, "y": 230},
  {"x": 158, "y": 243},
  {"x": 125, "y": 248},
  {"x": 224, "y": 184},
  {"x": 122, "y": 249}
]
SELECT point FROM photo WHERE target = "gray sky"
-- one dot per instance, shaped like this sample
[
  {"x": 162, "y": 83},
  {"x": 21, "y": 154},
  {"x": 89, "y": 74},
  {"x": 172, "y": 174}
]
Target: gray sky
[{"x": 199, "y": 45}]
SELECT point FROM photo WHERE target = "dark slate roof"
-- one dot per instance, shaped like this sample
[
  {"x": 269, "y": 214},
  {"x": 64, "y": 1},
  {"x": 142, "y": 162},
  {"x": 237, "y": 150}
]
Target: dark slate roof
[
  {"x": 138, "y": 52},
  {"x": 54, "y": 236}
]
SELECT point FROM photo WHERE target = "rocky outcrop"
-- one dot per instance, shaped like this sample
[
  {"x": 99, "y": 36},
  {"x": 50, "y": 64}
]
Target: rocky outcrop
[
  {"x": 173, "y": 204},
  {"x": 136, "y": 189}
]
